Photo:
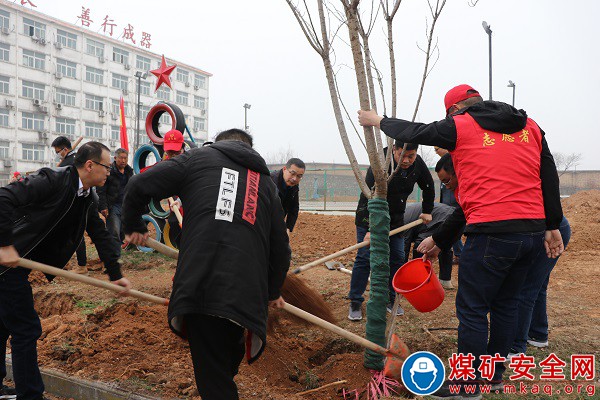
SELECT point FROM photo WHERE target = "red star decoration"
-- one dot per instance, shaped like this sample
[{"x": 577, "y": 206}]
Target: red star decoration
[{"x": 163, "y": 74}]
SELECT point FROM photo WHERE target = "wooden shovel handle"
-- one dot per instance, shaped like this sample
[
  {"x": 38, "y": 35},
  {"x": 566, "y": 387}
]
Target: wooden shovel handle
[
  {"x": 354, "y": 247},
  {"x": 47, "y": 269},
  {"x": 335, "y": 329},
  {"x": 162, "y": 248},
  {"x": 74, "y": 146},
  {"x": 177, "y": 212}
]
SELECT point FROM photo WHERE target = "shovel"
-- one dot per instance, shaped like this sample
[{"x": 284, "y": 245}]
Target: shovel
[
  {"x": 354, "y": 247},
  {"x": 34, "y": 265},
  {"x": 395, "y": 354},
  {"x": 338, "y": 266},
  {"x": 177, "y": 212}
]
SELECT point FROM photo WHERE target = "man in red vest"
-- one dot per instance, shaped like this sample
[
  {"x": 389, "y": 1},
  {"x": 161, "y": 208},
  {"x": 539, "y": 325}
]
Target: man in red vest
[{"x": 508, "y": 190}]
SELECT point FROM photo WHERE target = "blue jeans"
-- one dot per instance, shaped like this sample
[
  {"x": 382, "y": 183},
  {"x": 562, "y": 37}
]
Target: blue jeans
[
  {"x": 19, "y": 320},
  {"x": 492, "y": 272},
  {"x": 533, "y": 319},
  {"x": 362, "y": 265},
  {"x": 113, "y": 222}
]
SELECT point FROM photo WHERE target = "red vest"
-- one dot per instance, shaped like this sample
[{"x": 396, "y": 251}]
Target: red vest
[{"x": 498, "y": 174}]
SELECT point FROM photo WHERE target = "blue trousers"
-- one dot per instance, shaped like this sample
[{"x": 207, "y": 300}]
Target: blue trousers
[
  {"x": 533, "y": 319},
  {"x": 491, "y": 275},
  {"x": 362, "y": 265},
  {"x": 113, "y": 222},
  {"x": 19, "y": 320}
]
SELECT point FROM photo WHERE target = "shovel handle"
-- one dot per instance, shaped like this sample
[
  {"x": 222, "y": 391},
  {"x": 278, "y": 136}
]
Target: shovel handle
[
  {"x": 177, "y": 212},
  {"x": 335, "y": 329},
  {"x": 354, "y": 247},
  {"x": 47, "y": 269},
  {"x": 162, "y": 248}
]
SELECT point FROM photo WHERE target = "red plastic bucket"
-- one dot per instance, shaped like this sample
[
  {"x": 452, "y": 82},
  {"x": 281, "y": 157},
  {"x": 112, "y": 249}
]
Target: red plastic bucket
[{"x": 417, "y": 282}]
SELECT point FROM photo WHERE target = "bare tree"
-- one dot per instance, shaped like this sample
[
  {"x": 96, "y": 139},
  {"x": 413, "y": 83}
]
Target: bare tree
[
  {"x": 564, "y": 162},
  {"x": 321, "y": 35},
  {"x": 281, "y": 156}
]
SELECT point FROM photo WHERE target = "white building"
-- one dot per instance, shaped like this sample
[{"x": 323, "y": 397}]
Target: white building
[{"x": 60, "y": 79}]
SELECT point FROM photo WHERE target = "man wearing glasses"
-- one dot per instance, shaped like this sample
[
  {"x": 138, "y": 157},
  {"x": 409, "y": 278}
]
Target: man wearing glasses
[
  {"x": 43, "y": 219},
  {"x": 287, "y": 180},
  {"x": 111, "y": 194}
]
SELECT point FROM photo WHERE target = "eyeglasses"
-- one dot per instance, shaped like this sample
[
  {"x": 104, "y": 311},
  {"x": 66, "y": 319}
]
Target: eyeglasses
[
  {"x": 296, "y": 175},
  {"x": 104, "y": 165}
]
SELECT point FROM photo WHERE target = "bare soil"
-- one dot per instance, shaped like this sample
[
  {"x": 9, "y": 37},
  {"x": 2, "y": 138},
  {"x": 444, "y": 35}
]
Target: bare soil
[{"x": 90, "y": 334}]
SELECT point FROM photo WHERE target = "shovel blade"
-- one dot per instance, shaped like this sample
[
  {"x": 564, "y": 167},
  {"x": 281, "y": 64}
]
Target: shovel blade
[{"x": 393, "y": 364}]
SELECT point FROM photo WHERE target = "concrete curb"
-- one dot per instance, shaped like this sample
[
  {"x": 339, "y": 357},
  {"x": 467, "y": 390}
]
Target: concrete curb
[{"x": 63, "y": 385}]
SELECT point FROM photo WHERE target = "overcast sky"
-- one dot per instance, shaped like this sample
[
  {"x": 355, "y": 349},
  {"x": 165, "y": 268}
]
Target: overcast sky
[{"x": 258, "y": 55}]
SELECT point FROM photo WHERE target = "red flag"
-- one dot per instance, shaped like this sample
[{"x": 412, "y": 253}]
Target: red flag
[{"x": 124, "y": 141}]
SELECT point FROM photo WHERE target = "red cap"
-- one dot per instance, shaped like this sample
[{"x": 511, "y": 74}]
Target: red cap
[
  {"x": 173, "y": 140},
  {"x": 458, "y": 94},
  {"x": 17, "y": 173}
]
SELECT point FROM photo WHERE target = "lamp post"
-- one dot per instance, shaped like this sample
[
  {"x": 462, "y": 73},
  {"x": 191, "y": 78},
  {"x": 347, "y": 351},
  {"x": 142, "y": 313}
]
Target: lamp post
[
  {"x": 488, "y": 30},
  {"x": 513, "y": 86},
  {"x": 139, "y": 75},
  {"x": 246, "y": 108}
]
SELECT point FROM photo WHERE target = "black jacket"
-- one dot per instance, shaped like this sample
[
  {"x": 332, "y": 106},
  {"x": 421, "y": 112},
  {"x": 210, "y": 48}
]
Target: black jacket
[
  {"x": 30, "y": 211},
  {"x": 110, "y": 191},
  {"x": 399, "y": 188},
  {"x": 229, "y": 269},
  {"x": 290, "y": 199},
  {"x": 69, "y": 159},
  {"x": 497, "y": 117}
]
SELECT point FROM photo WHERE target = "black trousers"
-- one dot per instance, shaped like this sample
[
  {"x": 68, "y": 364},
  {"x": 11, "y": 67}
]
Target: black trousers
[
  {"x": 19, "y": 320},
  {"x": 217, "y": 348},
  {"x": 81, "y": 254}
]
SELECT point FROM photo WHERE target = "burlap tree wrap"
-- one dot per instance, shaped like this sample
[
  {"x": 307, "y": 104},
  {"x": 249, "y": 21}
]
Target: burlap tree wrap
[{"x": 379, "y": 223}]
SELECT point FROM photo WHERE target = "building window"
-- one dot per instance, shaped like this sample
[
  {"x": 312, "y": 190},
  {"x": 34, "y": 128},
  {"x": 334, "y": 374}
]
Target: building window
[
  {"x": 119, "y": 81},
  {"x": 142, "y": 63},
  {"x": 144, "y": 110},
  {"x": 65, "y": 126},
  {"x": 165, "y": 118},
  {"x": 94, "y": 48},
  {"x": 114, "y": 106},
  {"x": 4, "y": 19},
  {"x": 32, "y": 121},
  {"x": 65, "y": 96},
  {"x": 67, "y": 68},
  {"x": 200, "y": 81},
  {"x": 94, "y": 75},
  {"x": 32, "y": 90},
  {"x": 3, "y": 117},
  {"x": 34, "y": 28},
  {"x": 94, "y": 102},
  {"x": 163, "y": 93},
  {"x": 115, "y": 132},
  {"x": 4, "y": 84},
  {"x": 121, "y": 56},
  {"x": 33, "y": 152},
  {"x": 199, "y": 124},
  {"x": 200, "y": 102},
  {"x": 4, "y": 52},
  {"x": 181, "y": 98},
  {"x": 182, "y": 75},
  {"x": 93, "y": 130},
  {"x": 145, "y": 88},
  {"x": 34, "y": 59},
  {"x": 66, "y": 39},
  {"x": 4, "y": 147}
]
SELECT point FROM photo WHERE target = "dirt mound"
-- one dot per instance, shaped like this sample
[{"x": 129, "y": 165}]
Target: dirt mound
[
  {"x": 37, "y": 278},
  {"x": 48, "y": 303},
  {"x": 583, "y": 212}
]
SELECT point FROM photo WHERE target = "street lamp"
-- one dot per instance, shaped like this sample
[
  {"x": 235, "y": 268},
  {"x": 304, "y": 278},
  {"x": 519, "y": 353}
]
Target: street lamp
[
  {"x": 513, "y": 86},
  {"x": 488, "y": 30},
  {"x": 139, "y": 75},
  {"x": 246, "y": 108}
]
